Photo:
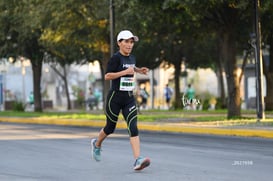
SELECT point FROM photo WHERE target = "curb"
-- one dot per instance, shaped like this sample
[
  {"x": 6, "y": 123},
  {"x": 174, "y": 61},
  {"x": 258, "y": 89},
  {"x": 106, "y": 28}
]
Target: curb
[{"x": 161, "y": 127}]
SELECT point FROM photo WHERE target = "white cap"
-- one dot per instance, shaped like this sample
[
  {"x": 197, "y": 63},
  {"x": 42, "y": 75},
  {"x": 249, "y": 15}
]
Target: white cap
[{"x": 125, "y": 35}]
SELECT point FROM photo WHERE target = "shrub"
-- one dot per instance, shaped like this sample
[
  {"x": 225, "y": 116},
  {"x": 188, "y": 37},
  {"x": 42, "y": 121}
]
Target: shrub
[
  {"x": 206, "y": 104},
  {"x": 18, "y": 106}
]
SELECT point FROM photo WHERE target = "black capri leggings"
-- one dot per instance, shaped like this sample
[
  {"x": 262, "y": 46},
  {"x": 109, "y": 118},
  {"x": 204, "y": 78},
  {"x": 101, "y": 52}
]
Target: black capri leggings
[{"x": 125, "y": 101}]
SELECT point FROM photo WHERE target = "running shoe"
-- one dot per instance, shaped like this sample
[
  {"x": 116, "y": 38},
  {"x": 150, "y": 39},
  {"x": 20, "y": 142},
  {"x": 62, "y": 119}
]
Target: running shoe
[
  {"x": 95, "y": 150},
  {"x": 141, "y": 163}
]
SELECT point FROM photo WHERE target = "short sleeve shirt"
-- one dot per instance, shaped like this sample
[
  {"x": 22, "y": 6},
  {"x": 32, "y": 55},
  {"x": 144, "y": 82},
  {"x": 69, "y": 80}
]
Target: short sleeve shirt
[{"x": 117, "y": 63}]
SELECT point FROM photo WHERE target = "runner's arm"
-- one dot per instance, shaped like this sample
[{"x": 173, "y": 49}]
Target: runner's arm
[
  {"x": 115, "y": 75},
  {"x": 142, "y": 70}
]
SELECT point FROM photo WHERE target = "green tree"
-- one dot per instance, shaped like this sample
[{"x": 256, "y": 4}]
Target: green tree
[
  {"x": 20, "y": 37},
  {"x": 230, "y": 21},
  {"x": 66, "y": 36},
  {"x": 184, "y": 40},
  {"x": 32, "y": 28},
  {"x": 161, "y": 40}
]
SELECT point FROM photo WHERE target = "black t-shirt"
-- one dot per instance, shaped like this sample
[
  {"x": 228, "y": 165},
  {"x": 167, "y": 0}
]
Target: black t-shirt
[{"x": 117, "y": 63}]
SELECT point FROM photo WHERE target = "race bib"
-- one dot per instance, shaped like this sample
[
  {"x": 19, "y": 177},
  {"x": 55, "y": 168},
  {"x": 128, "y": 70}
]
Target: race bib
[{"x": 127, "y": 84}]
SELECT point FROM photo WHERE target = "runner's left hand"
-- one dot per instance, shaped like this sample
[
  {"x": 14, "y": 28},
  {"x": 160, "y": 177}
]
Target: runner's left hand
[{"x": 144, "y": 70}]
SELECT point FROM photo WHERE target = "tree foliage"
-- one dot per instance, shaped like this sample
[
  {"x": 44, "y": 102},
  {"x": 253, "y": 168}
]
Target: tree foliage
[
  {"x": 20, "y": 33},
  {"x": 201, "y": 33}
]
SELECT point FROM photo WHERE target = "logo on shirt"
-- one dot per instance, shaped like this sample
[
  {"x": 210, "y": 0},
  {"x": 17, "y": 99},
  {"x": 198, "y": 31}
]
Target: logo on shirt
[{"x": 128, "y": 65}]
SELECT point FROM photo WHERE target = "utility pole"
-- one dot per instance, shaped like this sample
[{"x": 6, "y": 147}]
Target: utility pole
[
  {"x": 112, "y": 26},
  {"x": 259, "y": 65}
]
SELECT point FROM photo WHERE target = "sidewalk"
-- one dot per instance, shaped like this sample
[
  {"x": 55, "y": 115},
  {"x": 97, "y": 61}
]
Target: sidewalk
[{"x": 173, "y": 127}]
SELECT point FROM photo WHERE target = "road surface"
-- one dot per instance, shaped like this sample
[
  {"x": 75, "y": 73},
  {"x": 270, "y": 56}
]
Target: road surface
[{"x": 48, "y": 153}]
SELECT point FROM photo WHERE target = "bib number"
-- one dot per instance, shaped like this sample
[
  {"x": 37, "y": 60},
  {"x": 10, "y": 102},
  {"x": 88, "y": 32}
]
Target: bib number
[{"x": 127, "y": 84}]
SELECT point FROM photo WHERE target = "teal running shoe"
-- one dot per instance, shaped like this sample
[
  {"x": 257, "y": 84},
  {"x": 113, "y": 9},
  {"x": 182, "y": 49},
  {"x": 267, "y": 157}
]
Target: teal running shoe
[
  {"x": 95, "y": 150},
  {"x": 141, "y": 163}
]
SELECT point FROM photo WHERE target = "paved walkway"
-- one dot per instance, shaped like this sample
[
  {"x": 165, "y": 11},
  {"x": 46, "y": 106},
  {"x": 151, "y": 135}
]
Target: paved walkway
[{"x": 175, "y": 127}]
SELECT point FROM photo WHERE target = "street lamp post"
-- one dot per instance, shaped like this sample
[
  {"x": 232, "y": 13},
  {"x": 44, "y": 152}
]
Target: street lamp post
[
  {"x": 112, "y": 28},
  {"x": 259, "y": 64}
]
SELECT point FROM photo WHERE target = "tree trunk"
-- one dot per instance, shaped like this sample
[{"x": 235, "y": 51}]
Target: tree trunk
[
  {"x": 268, "y": 72},
  {"x": 269, "y": 92},
  {"x": 229, "y": 57},
  {"x": 64, "y": 77},
  {"x": 37, "y": 73},
  {"x": 234, "y": 100},
  {"x": 177, "y": 72},
  {"x": 33, "y": 52},
  {"x": 221, "y": 82},
  {"x": 106, "y": 84}
]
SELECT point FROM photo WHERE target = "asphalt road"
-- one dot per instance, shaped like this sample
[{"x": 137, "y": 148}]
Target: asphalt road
[{"x": 48, "y": 153}]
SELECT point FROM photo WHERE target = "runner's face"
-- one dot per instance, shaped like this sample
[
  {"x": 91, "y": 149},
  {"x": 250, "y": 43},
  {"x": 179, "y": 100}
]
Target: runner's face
[{"x": 126, "y": 46}]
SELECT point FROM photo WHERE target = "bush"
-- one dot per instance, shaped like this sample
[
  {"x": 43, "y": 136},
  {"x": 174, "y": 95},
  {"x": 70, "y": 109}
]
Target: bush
[
  {"x": 79, "y": 94},
  {"x": 219, "y": 104},
  {"x": 18, "y": 106},
  {"x": 206, "y": 104}
]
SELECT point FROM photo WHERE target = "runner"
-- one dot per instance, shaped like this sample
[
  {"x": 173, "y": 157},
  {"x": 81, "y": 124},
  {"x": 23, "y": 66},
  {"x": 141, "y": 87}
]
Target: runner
[{"x": 120, "y": 70}]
